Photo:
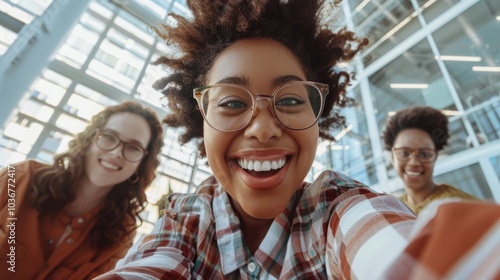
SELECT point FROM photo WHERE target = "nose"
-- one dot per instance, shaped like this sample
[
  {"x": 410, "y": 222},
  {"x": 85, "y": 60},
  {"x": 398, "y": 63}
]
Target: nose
[
  {"x": 413, "y": 159},
  {"x": 264, "y": 125},
  {"x": 117, "y": 151}
]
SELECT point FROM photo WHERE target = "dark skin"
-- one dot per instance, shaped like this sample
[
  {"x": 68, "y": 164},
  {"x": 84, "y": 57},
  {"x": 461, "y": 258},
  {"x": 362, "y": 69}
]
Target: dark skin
[{"x": 254, "y": 230}]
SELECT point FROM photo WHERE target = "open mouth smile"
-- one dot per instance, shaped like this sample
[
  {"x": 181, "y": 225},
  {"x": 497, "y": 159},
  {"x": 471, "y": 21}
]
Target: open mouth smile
[
  {"x": 413, "y": 174},
  {"x": 262, "y": 165},
  {"x": 109, "y": 165}
]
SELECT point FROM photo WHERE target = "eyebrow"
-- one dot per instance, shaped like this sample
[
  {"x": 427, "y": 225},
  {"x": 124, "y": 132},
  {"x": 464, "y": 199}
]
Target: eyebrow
[
  {"x": 243, "y": 81},
  {"x": 131, "y": 141}
]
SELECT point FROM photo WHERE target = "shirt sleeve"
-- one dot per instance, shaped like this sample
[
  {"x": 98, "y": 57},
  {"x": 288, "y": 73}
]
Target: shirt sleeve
[
  {"x": 373, "y": 236},
  {"x": 92, "y": 270},
  {"x": 14, "y": 187},
  {"x": 169, "y": 251},
  {"x": 162, "y": 253}
]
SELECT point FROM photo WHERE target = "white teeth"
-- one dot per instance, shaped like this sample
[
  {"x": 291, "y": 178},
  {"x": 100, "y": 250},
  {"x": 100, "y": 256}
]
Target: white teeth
[
  {"x": 411, "y": 173},
  {"x": 257, "y": 166},
  {"x": 265, "y": 165},
  {"x": 274, "y": 165},
  {"x": 109, "y": 165}
]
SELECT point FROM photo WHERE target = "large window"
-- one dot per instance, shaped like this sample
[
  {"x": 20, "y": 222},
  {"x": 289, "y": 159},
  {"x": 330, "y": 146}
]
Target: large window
[
  {"x": 443, "y": 54},
  {"x": 469, "y": 179},
  {"x": 104, "y": 60},
  {"x": 384, "y": 23},
  {"x": 351, "y": 153},
  {"x": 471, "y": 54}
]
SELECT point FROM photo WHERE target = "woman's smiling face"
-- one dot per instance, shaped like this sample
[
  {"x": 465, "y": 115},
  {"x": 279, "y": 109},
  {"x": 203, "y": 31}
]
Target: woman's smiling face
[
  {"x": 416, "y": 175},
  {"x": 261, "y": 66},
  {"x": 105, "y": 169}
]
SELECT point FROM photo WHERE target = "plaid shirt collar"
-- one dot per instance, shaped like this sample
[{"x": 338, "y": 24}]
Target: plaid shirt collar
[{"x": 234, "y": 253}]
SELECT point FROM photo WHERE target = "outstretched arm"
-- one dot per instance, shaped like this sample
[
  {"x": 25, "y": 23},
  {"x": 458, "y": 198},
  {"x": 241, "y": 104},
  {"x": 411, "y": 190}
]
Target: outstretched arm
[
  {"x": 374, "y": 237},
  {"x": 167, "y": 251}
]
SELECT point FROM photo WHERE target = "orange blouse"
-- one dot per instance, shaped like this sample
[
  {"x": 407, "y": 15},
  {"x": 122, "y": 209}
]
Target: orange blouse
[{"x": 39, "y": 247}]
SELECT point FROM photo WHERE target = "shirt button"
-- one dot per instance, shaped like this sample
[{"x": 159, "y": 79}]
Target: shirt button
[
  {"x": 51, "y": 241},
  {"x": 80, "y": 220},
  {"x": 251, "y": 266},
  {"x": 69, "y": 241}
]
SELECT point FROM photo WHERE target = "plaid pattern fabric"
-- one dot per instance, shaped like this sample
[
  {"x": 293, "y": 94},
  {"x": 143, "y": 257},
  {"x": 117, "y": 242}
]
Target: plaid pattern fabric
[{"x": 334, "y": 228}]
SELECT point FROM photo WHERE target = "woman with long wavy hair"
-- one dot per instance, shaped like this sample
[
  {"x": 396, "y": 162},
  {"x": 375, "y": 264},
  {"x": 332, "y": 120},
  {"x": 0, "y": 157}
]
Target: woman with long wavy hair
[{"x": 75, "y": 218}]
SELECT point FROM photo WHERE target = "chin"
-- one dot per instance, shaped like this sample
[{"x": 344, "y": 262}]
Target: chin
[{"x": 261, "y": 213}]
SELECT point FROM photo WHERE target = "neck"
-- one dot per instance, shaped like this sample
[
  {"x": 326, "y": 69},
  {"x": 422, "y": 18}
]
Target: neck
[
  {"x": 254, "y": 229},
  {"x": 87, "y": 197},
  {"x": 419, "y": 195}
]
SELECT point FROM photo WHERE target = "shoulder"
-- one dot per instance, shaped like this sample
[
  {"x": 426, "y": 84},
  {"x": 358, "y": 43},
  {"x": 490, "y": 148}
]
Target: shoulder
[
  {"x": 331, "y": 188},
  {"x": 404, "y": 197},
  {"x": 447, "y": 187},
  {"x": 336, "y": 181},
  {"x": 199, "y": 203},
  {"x": 450, "y": 191},
  {"x": 22, "y": 172},
  {"x": 193, "y": 203},
  {"x": 20, "y": 177},
  {"x": 28, "y": 166},
  {"x": 187, "y": 218}
]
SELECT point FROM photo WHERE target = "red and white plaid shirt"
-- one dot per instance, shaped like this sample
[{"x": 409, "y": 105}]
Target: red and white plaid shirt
[{"x": 333, "y": 228}]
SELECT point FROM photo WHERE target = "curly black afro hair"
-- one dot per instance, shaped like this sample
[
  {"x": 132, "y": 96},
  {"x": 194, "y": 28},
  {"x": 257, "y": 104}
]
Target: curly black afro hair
[
  {"x": 216, "y": 24},
  {"x": 427, "y": 119}
]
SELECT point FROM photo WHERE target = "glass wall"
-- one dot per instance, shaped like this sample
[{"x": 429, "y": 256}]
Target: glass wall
[
  {"x": 443, "y": 54},
  {"x": 469, "y": 179},
  {"x": 104, "y": 60}
]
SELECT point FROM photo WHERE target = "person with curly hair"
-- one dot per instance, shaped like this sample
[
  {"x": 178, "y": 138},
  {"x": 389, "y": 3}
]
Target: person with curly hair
[
  {"x": 76, "y": 218},
  {"x": 256, "y": 84},
  {"x": 414, "y": 136}
]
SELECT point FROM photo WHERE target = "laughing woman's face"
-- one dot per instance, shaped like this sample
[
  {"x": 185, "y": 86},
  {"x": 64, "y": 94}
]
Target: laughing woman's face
[
  {"x": 416, "y": 174},
  {"x": 105, "y": 169},
  {"x": 240, "y": 160}
]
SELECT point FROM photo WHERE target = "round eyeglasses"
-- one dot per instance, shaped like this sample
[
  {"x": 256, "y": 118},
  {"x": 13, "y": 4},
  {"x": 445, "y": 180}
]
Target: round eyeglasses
[
  {"x": 108, "y": 141},
  {"x": 425, "y": 155},
  {"x": 228, "y": 107}
]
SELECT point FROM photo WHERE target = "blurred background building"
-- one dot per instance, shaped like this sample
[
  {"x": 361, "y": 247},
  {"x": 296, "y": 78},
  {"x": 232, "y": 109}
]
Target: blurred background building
[{"x": 62, "y": 61}]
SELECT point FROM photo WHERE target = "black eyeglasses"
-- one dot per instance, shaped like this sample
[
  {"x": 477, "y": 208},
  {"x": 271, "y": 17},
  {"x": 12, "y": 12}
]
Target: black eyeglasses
[
  {"x": 107, "y": 141},
  {"x": 228, "y": 107},
  {"x": 425, "y": 155}
]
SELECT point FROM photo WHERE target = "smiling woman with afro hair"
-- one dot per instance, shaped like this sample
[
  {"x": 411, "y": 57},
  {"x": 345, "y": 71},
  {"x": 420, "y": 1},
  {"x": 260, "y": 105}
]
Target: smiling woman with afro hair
[
  {"x": 217, "y": 24},
  {"x": 256, "y": 84},
  {"x": 424, "y": 129}
]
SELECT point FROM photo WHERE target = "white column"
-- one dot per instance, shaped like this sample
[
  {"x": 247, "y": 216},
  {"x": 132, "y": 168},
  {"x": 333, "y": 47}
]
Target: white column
[
  {"x": 35, "y": 46},
  {"x": 369, "y": 110}
]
